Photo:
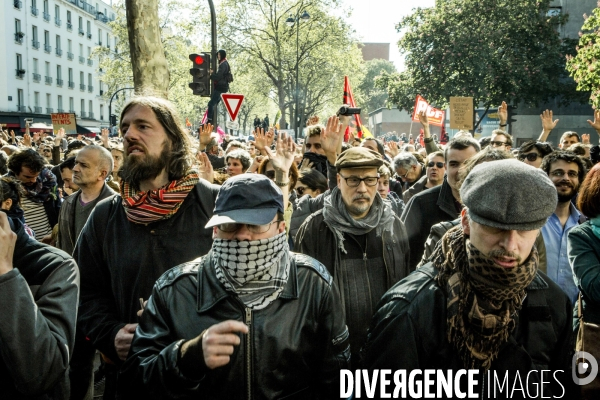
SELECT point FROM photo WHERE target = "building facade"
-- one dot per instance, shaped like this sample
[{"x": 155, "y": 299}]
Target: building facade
[{"x": 48, "y": 65}]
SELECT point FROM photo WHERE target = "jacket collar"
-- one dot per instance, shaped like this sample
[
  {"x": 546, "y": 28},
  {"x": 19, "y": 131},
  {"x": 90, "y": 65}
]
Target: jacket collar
[
  {"x": 446, "y": 200},
  {"x": 211, "y": 291}
]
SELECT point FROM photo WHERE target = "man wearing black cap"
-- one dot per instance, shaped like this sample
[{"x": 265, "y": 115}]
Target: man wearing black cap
[
  {"x": 359, "y": 238},
  {"x": 248, "y": 320},
  {"x": 481, "y": 303}
]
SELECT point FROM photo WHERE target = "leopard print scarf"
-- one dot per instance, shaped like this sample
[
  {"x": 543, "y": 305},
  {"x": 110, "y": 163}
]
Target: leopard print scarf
[{"x": 483, "y": 298}]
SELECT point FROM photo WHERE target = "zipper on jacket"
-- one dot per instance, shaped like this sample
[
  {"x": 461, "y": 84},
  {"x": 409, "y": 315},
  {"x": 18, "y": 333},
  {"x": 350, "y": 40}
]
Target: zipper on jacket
[{"x": 248, "y": 321}]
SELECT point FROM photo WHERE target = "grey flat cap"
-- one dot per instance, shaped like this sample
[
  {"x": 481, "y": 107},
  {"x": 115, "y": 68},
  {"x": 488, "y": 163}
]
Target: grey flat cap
[{"x": 509, "y": 194}]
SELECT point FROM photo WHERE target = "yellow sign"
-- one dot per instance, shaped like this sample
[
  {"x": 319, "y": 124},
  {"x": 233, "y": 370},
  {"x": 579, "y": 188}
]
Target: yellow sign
[
  {"x": 66, "y": 121},
  {"x": 461, "y": 113}
]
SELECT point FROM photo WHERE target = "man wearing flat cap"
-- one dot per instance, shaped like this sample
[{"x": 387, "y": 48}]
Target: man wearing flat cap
[
  {"x": 359, "y": 238},
  {"x": 481, "y": 303},
  {"x": 248, "y": 320}
]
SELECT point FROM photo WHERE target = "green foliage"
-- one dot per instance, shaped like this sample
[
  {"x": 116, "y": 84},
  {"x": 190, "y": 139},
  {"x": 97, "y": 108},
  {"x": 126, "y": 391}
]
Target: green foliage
[
  {"x": 372, "y": 97},
  {"x": 584, "y": 67},
  {"x": 491, "y": 50}
]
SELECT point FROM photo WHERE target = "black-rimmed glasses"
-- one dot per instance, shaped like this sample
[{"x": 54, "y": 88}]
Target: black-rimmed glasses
[
  {"x": 354, "y": 181},
  {"x": 438, "y": 164},
  {"x": 529, "y": 156}
]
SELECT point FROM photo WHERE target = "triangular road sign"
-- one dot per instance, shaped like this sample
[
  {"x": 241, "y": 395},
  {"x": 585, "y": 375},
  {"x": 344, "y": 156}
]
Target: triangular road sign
[{"x": 232, "y": 102}]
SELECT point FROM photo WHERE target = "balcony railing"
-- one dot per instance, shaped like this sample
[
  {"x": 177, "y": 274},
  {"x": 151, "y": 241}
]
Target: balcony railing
[
  {"x": 69, "y": 55},
  {"x": 34, "y": 11},
  {"x": 46, "y": 16},
  {"x": 72, "y": 111},
  {"x": 81, "y": 32},
  {"x": 69, "y": 26},
  {"x": 83, "y": 114},
  {"x": 37, "y": 109},
  {"x": 36, "y": 77},
  {"x": 91, "y": 114},
  {"x": 59, "y": 52},
  {"x": 90, "y": 62},
  {"x": 71, "y": 84},
  {"x": 20, "y": 72},
  {"x": 89, "y": 35},
  {"x": 48, "y": 80},
  {"x": 49, "y": 110},
  {"x": 57, "y": 21},
  {"x": 18, "y": 4},
  {"x": 59, "y": 82},
  {"x": 60, "y": 110},
  {"x": 35, "y": 44},
  {"x": 90, "y": 88},
  {"x": 82, "y": 87},
  {"x": 22, "y": 108},
  {"x": 81, "y": 59},
  {"x": 19, "y": 37},
  {"x": 47, "y": 48}
]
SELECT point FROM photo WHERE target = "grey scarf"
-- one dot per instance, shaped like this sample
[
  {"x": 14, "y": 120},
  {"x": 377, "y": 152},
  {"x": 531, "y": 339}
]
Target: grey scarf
[
  {"x": 256, "y": 271},
  {"x": 336, "y": 216}
]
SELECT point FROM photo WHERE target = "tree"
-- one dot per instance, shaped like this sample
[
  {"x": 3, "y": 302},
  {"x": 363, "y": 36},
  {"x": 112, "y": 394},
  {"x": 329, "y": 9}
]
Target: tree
[
  {"x": 486, "y": 49},
  {"x": 257, "y": 29},
  {"x": 148, "y": 60},
  {"x": 373, "y": 97},
  {"x": 584, "y": 67}
]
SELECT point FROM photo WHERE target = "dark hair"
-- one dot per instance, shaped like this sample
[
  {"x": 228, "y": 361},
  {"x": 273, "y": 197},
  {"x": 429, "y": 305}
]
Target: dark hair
[
  {"x": 223, "y": 53},
  {"x": 242, "y": 155},
  {"x": 588, "y": 199},
  {"x": 380, "y": 147},
  {"x": 566, "y": 156},
  {"x": 3, "y": 163},
  {"x": 313, "y": 179},
  {"x": 293, "y": 174},
  {"x": 181, "y": 159},
  {"x": 11, "y": 188},
  {"x": 578, "y": 148},
  {"x": 543, "y": 147},
  {"x": 68, "y": 163},
  {"x": 461, "y": 143},
  {"x": 485, "y": 142},
  {"x": 314, "y": 130},
  {"x": 26, "y": 158},
  {"x": 595, "y": 154}
]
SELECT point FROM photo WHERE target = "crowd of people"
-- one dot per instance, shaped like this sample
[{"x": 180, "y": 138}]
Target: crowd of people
[{"x": 160, "y": 264}]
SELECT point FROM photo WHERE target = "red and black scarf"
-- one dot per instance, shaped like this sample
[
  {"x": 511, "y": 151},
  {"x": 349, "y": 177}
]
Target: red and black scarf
[{"x": 158, "y": 204}]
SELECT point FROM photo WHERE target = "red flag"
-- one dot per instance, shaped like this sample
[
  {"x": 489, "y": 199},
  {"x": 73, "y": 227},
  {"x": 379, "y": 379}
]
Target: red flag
[
  {"x": 205, "y": 117},
  {"x": 349, "y": 99}
]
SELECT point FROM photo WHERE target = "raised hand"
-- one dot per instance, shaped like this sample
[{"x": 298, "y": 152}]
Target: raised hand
[
  {"x": 585, "y": 138},
  {"x": 503, "y": 113},
  {"x": 60, "y": 135},
  {"x": 306, "y": 164},
  {"x": 80, "y": 137},
  {"x": 547, "y": 123},
  {"x": 596, "y": 123},
  {"x": 423, "y": 119},
  {"x": 285, "y": 149},
  {"x": 36, "y": 137},
  {"x": 205, "y": 168},
  {"x": 27, "y": 139},
  {"x": 260, "y": 139},
  {"x": 393, "y": 148},
  {"x": 205, "y": 134},
  {"x": 270, "y": 136},
  {"x": 331, "y": 136},
  {"x": 104, "y": 137}
]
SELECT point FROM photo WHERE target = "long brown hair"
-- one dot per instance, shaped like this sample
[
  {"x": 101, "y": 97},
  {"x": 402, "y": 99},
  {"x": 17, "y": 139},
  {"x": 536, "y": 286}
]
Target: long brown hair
[{"x": 588, "y": 199}]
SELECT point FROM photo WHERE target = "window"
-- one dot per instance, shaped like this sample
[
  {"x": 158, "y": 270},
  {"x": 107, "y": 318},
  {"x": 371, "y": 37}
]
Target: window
[
  {"x": 35, "y": 66},
  {"x": 57, "y": 15},
  {"x": 107, "y": 40},
  {"x": 71, "y": 105},
  {"x": 36, "y": 99},
  {"x": 89, "y": 54},
  {"x": 89, "y": 29},
  {"x": 81, "y": 32},
  {"x": 34, "y": 37},
  {"x": 18, "y": 34},
  {"x": 48, "y": 103},
  {"x": 89, "y": 79},
  {"x": 60, "y": 104},
  {"x": 46, "y": 11},
  {"x": 99, "y": 37},
  {"x": 69, "y": 46},
  {"x": 47, "y": 46},
  {"x": 58, "y": 46},
  {"x": 80, "y": 50},
  {"x": 91, "y": 109},
  {"x": 81, "y": 80},
  {"x": 69, "y": 23},
  {"x": 82, "y": 108},
  {"x": 34, "y": 9},
  {"x": 101, "y": 112},
  {"x": 20, "y": 100},
  {"x": 20, "y": 70},
  {"x": 59, "y": 72},
  {"x": 47, "y": 70}
]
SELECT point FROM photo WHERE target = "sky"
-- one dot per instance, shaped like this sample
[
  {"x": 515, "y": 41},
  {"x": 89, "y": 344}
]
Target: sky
[{"x": 374, "y": 21}]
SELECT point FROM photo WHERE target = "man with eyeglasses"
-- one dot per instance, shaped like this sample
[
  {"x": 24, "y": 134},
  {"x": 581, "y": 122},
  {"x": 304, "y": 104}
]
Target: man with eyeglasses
[
  {"x": 501, "y": 140},
  {"x": 434, "y": 176},
  {"x": 408, "y": 169},
  {"x": 360, "y": 240},
  {"x": 566, "y": 170},
  {"x": 248, "y": 320}
]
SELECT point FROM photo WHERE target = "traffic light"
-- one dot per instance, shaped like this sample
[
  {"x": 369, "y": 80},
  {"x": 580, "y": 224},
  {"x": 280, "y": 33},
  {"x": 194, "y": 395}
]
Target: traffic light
[
  {"x": 201, "y": 74},
  {"x": 113, "y": 120}
]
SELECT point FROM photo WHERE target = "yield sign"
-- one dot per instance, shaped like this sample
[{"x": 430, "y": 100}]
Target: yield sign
[{"x": 232, "y": 102}]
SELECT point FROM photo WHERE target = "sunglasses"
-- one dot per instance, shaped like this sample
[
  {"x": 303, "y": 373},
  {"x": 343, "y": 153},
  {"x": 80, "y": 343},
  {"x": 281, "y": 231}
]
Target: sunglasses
[
  {"x": 529, "y": 156},
  {"x": 497, "y": 143},
  {"x": 438, "y": 164},
  {"x": 270, "y": 174}
]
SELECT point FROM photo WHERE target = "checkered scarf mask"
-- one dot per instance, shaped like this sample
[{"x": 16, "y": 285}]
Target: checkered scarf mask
[{"x": 256, "y": 271}]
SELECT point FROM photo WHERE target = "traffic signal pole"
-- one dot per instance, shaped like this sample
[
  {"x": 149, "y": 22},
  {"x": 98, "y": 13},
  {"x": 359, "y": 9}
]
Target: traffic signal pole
[{"x": 213, "y": 53}]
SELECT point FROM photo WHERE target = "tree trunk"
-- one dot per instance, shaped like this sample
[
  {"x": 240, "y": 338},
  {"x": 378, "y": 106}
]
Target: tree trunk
[
  {"x": 148, "y": 61},
  {"x": 281, "y": 95}
]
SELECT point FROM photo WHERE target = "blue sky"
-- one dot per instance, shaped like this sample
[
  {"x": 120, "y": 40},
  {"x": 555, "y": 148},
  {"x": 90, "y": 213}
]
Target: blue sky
[{"x": 374, "y": 21}]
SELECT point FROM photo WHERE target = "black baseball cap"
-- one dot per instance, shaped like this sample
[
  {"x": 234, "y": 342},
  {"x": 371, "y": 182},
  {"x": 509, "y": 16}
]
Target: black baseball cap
[{"x": 247, "y": 199}]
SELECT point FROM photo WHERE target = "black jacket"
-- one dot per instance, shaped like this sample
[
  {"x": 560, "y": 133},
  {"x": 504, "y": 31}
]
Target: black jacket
[
  {"x": 38, "y": 310},
  {"x": 409, "y": 331},
  {"x": 296, "y": 345},
  {"x": 424, "y": 210},
  {"x": 219, "y": 78},
  {"x": 120, "y": 261}
]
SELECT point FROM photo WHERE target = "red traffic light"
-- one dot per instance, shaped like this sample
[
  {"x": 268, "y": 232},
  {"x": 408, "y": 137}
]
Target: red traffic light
[{"x": 199, "y": 60}]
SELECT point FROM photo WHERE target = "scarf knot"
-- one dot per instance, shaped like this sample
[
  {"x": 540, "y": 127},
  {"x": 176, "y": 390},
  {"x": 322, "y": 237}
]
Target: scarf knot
[
  {"x": 144, "y": 207},
  {"x": 483, "y": 298}
]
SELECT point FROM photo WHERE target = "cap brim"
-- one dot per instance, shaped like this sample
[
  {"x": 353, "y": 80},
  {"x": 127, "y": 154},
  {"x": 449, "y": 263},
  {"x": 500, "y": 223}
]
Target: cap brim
[{"x": 253, "y": 216}]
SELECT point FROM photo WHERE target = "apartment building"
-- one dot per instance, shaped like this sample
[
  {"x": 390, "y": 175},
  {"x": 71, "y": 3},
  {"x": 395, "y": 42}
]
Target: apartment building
[{"x": 47, "y": 65}]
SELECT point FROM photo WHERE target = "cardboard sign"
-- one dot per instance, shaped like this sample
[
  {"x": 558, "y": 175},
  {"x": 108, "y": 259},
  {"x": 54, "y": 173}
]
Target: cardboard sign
[
  {"x": 232, "y": 102},
  {"x": 461, "y": 113},
  {"x": 64, "y": 120},
  {"x": 436, "y": 117}
]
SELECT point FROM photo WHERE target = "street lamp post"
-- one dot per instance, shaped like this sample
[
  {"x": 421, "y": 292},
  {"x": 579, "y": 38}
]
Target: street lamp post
[
  {"x": 291, "y": 21},
  {"x": 110, "y": 103}
]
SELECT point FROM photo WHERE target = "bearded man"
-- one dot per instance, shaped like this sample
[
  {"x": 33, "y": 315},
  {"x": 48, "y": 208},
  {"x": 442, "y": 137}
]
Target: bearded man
[
  {"x": 566, "y": 170},
  {"x": 481, "y": 303},
  {"x": 156, "y": 223}
]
